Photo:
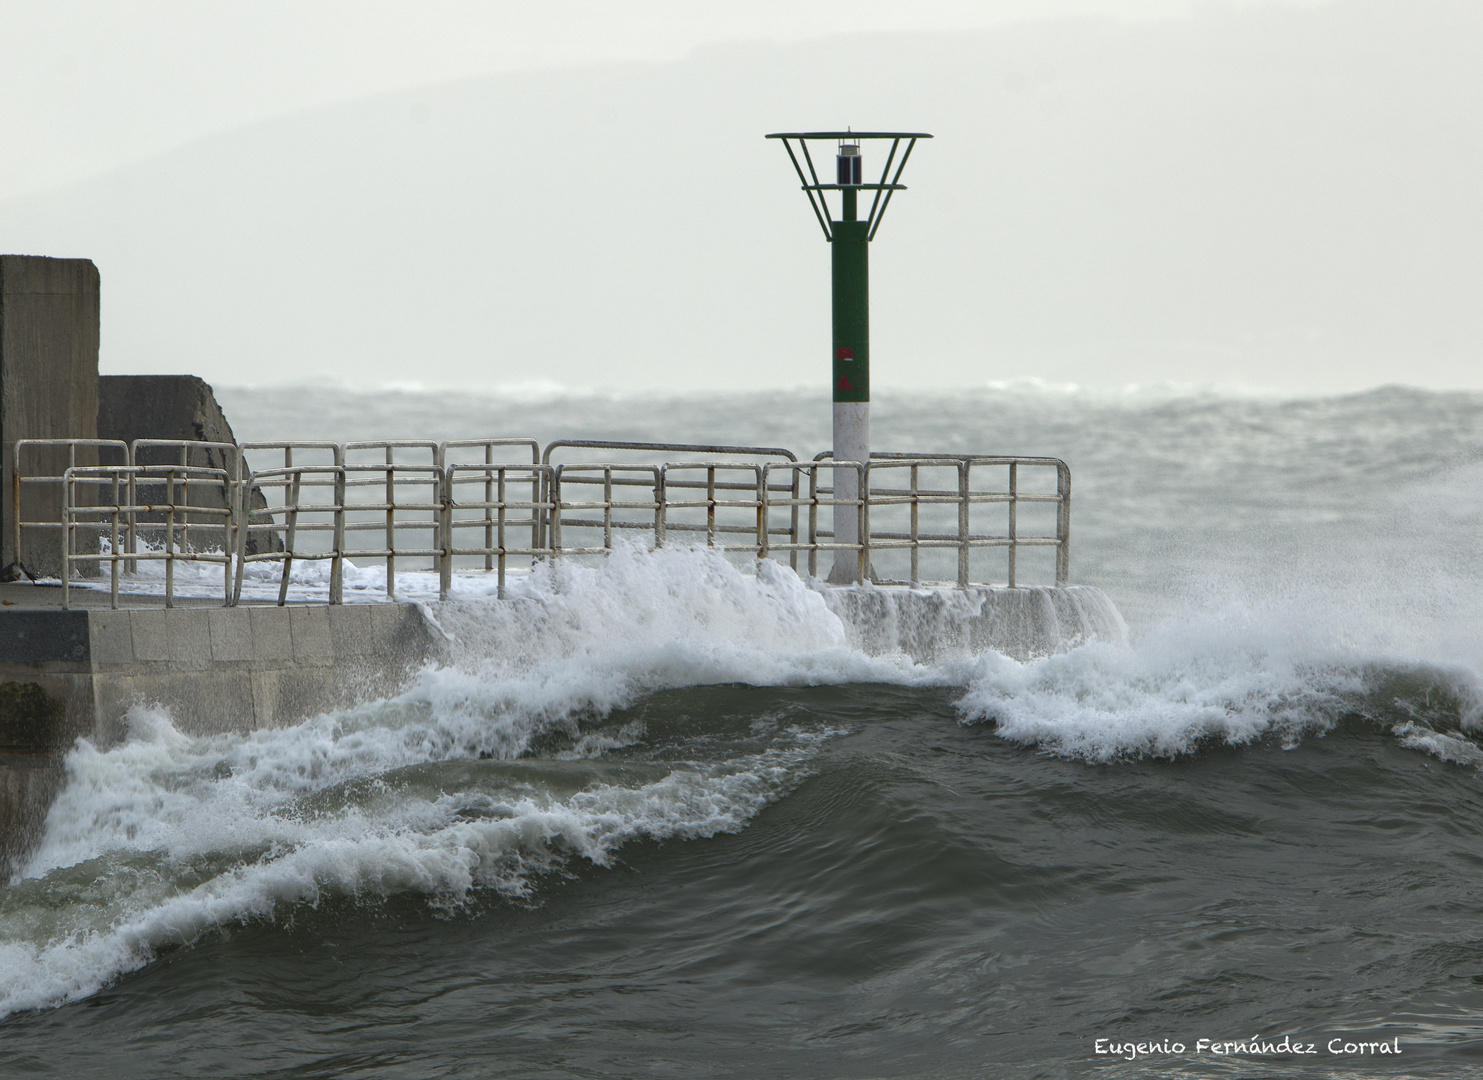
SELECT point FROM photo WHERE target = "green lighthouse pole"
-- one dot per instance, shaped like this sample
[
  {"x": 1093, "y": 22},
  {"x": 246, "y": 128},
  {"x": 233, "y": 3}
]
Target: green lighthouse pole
[{"x": 850, "y": 238}]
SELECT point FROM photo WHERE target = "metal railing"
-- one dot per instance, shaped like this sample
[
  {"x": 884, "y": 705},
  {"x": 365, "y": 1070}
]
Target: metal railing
[
  {"x": 108, "y": 502},
  {"x": 962, "y": 496},
  {"x": 921, "y": 517}
]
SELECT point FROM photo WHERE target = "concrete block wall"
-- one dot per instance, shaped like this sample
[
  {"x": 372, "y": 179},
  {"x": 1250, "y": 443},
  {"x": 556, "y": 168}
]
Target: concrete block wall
[
  {"x": 214, "y": 669},
  {"x": 931, "y": 624},
  {"x": 237, "y": 669}
]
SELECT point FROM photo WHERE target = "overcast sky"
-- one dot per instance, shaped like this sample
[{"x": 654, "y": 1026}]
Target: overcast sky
[
  {"x": 92, "y": 84},
  {"x": 1265, "y": 194}
]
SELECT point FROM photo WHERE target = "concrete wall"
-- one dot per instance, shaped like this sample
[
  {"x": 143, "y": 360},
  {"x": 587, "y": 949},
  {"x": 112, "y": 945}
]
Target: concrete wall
[
  {"x": 215, "y": 669},
  {"x": 28, "y": 784},
  {"x": 238, "y": 669},
  {"x": 179, "y": 407},
  {"x": 929, "y": 625},
  {"x": 48, "y": 377},
  {"x": 163, "y": 407}
]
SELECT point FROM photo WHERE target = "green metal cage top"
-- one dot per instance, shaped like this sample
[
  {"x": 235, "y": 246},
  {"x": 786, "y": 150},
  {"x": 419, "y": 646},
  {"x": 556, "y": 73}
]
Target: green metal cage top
[{"x": 877, "y": 204}]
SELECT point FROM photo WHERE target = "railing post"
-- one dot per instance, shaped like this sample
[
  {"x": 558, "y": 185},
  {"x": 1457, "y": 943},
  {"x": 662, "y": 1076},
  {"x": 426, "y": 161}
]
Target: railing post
[
  {"x": 501, "y": 587},
  {"x": 337, "y": 569},
  {"x": 762, "y": 522},
  {"x": 390, "y": 523},
  {"x": 170, "y": 539},
  {"x": 1063, "y": 523},
  {"x": 963, "y": 524},
  {"x": 813, "y": 520},
  {"x": 916, "y": 554},
  {"x": 66, "y": 540},
  {"x": 863, "y": 521},
  {"x": 537, "y": 507},
  {"x": 243, "y": 531},
  {"x": 72, "y": 464},
  {"x": 1013, "y": 518},
  {"x": 607, "y": 508},
  {"x": 132, "y": 541},
  {"x": 489, "y": 498},
  {"x": 793, "y": 521},
  {"x": 15, "y": 496},
  {"x": 113, "y": 555},
  {"x": 230, "y": 528},
  {"x": 290, "y": 527},
  {"x": 555, "y": 513},
  {"x": 543, "y": 517},
  {"x": 661, "y": 504},
  {"x": 445, "y": 531}
]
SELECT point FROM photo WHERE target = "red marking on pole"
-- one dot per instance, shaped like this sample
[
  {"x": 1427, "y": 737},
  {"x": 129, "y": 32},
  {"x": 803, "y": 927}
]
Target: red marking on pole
[
  {"x": 844, "y": 352},
  {"x": 844, "y": 383}
]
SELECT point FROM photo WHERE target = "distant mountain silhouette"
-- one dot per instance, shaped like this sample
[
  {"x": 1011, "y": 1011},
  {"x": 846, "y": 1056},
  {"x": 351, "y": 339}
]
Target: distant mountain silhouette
[{"x": 1281, "y": 196}]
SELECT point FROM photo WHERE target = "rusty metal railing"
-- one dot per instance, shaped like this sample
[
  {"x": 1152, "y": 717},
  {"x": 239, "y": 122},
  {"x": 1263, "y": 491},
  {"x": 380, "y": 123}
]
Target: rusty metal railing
[{"x": 922, "y": 518}]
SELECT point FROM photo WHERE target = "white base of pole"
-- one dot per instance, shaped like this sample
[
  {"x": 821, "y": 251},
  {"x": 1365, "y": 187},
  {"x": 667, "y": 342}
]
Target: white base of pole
[{"x": 851, "y": 443}]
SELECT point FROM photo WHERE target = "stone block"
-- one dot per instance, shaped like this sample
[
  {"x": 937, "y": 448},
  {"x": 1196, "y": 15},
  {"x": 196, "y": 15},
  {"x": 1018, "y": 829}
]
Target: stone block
[
  {"x": 304, "y": 692},
  {"x": 231, "y": 633},
  {"x": 151, "y": 634},
  {"x": 198, "y": 702},
  {"x": 310, "y": 627},
  {"x": 38, "y": 636},
  {"x": 929, "y": 624},
  {"x": 112, "y": 637},
  {"x": 272, "y": 639},
  {"x": 352, "y": 629},
  {"x": 265, "y": 696},
  {"x": 190, "y": 636},
  {"x": 31, "y": 720}
]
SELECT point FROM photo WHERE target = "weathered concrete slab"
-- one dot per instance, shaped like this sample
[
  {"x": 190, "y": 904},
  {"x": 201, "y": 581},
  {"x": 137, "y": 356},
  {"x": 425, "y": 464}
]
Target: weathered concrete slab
[
  {"x": 48, "y": 381},
  {"x": 931, "y": 624},
  {"x": 183, "y": 408},
  {"x": 150, "y": 633},
  {"x": 231, "y": 635},
  {"x": 313, "y": 642},
  {"x": 271, "y": 637},
  {"x": 214, "y": 669},
  {"x": 189, "y": 636},
  {"x": 28, "y": 784},
  {"x": 33, "y": 636}
]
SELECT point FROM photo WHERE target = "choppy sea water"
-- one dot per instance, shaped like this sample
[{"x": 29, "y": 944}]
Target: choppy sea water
[{"x": 661, "y": 820}]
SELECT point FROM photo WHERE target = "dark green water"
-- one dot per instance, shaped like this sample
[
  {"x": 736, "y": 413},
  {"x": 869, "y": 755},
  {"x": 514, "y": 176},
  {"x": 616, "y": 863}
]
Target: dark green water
[{"x": 926, "y": 900}]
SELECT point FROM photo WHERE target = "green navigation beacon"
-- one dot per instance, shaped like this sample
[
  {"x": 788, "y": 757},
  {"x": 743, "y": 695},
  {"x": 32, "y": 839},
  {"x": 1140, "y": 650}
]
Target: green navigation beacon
[{"x": 850, "y": 238}]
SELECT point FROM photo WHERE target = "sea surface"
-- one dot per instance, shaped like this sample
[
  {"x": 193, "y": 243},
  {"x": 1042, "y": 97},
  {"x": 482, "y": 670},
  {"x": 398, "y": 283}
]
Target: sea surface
[{"x": 659, "y": 819}]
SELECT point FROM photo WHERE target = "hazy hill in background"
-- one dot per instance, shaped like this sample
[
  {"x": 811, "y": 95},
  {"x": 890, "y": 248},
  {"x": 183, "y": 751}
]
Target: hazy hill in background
[{"x": 1280, "y": 196}]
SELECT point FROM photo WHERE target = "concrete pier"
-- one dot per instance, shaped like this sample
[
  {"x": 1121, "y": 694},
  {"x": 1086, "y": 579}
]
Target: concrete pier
[
  {"x": 215, "y": 668},
  {"x": 65, "y": 674},
  {"x": 75, "y": 674},
  {"x": 929, "y": 625}
]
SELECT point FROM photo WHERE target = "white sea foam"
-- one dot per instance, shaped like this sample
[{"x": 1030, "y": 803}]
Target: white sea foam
[
  {"x": 1224, "y": 670},
  {"x": 1161, "y": 699}
]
